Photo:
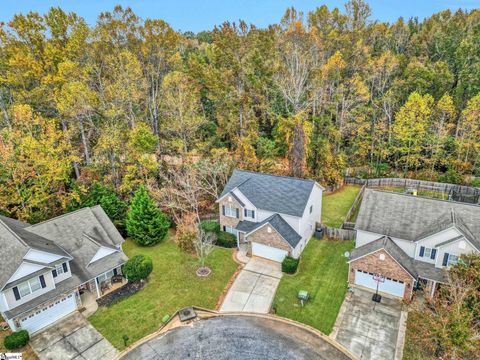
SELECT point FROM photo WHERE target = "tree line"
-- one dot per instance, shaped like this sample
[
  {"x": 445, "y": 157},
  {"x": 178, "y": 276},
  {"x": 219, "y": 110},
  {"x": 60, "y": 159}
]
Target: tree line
[{"x": 130, "y": 101}]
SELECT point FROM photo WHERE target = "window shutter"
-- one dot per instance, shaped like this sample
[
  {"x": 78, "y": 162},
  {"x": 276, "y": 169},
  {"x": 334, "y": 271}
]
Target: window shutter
[
  {"x": 253, "y": 213},
  {"x": 115, "y": 272},
  {"x": 422, "y": 250},
  {"x": 42, "y": 282},
  {"x": 16, "y": 293},
  {"x": 238, "y": 213},
  {"x": 224, "y": 228},
  {"x": 65, "y": 269},
  {"x": 223, "y": 209},
  {"x": 434, "y": 252},
  {"x": 445, "y": 259},
  {"x": 54, "y": 273},
  {"x": 244, "y": 212}
]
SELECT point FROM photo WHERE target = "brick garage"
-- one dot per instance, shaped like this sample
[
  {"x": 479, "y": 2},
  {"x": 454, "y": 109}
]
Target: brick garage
[
  {"x": 388, "y": 267},
  {"x": 273, "y": 239}
]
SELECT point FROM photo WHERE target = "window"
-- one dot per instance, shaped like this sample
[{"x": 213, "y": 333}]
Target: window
[
  {"x": 105, "y": 276},
  {"x": 230, "y": 230},
  {"x": 59, "y": 269},
  {"x": 249, "y": 213},
  {"x": 24, "y": 289},
  {"x": 311, "y": 208},
  {"x": 230, "y": 211},
  {"x": 35, "y": 284},
  {"x": 428, "y": 252},
  {"x": 452, "y": 260}
]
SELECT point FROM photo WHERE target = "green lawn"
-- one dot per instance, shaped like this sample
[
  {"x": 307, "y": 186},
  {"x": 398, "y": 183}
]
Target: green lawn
[
  {"x": 335, "y": 206},
  {"x": 323, "y": 273},
  {"x": 171, "y": 286}
]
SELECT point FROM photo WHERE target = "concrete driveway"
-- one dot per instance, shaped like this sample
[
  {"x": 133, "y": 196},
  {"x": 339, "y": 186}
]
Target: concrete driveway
[
  {"x": 370, "y": 330},
  {"x": 254, "y": 288},
  {"x": 72, "y": 338}
]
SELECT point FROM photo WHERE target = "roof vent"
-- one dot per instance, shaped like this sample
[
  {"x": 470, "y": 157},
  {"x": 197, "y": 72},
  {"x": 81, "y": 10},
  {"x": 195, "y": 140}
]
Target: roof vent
[{"x": 269, "y": 229}]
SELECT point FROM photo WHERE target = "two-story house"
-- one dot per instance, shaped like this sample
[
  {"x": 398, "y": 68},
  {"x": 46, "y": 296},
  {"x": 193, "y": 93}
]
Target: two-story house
[
  {"x": 407, "y": 242},
  {"x": 274, "y": 215},
  {"x": 45, "y": 267}
]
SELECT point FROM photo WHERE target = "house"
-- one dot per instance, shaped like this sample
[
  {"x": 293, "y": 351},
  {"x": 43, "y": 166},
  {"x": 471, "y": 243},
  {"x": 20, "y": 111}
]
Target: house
[
  {"x": 51, "y": 268},
  {"x": 409, "y": 242},
  {"x": 274, "y": 215}
]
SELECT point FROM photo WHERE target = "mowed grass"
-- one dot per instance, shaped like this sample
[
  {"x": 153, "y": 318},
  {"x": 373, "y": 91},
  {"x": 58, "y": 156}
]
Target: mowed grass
[
  {"x": 171, "y": 286},
  {"x": 323, "y": 273},
  {"x": 335, "y": 206}
]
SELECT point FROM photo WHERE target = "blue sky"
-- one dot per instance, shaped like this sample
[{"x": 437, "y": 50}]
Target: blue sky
[{"x": 197, "y": 15}]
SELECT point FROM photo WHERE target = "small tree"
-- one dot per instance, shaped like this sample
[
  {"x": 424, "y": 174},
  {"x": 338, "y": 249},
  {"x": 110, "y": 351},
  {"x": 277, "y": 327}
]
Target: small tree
[
  {"x": 204, "y": 245},
  {"x": 138, "y": 267},
  {"x": 187, "y": 232},
  {"x": 146, "y": 224}
]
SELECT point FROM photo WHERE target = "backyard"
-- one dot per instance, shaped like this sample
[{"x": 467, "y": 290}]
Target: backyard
[
  {"x": 171, "y": 286},
  {"x": 323, "y": 273},
  {"x": 335, "y": 206}
]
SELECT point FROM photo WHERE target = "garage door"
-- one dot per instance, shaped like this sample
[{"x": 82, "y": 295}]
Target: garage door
[
  {"x": 49, "y": 314},
  {"x": 268, "y": 252},
  {"x": 390, "y": 286}
]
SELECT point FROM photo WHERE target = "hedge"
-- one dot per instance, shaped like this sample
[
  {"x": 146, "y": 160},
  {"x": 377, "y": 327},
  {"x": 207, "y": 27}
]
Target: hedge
[
  {"x": 289, "y": 265},
  {"x": 210, "y": 226},
  {"x": 226, "y": 240},
  {"x": 16, "y": 340}
]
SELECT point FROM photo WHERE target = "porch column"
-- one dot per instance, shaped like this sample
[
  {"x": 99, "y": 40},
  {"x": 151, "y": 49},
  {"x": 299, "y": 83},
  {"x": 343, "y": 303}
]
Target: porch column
[
  {"x": 238, "y": 240},
  {"x": 432, "y": 290},
  {"x": 96, "y": 287}
]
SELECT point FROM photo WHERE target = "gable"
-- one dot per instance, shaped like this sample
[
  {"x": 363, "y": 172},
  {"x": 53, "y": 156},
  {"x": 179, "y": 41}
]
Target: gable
[
  {"x": 25, "y": 269},
  {"x": 101, "y": 253},
  {"x": 375, "y": 263}
]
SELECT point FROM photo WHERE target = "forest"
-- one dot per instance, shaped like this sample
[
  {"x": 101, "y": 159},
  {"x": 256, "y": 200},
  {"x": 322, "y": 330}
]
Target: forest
[{"x": 130, "y": 101}]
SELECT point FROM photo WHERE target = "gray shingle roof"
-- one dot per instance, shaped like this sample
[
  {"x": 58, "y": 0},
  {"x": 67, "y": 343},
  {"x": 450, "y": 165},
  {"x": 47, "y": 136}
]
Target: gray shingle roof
[
  {"x": 246, "y": 226},
  {"x": 76, "y": 235},
  {"x": 413, "y": 218},
  {"x": 279, "y": 224},
  {"x": 416, "y": 268},
  {"x": 279, "y": 194},
  {"x": 390, "y": 247}
]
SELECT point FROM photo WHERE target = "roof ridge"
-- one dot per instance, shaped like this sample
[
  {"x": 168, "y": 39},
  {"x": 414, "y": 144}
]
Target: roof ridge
[
  {"x": 61, "y": 216},
  {"x": 274, "y": 175},
  {"x": 14, "y": 234}
]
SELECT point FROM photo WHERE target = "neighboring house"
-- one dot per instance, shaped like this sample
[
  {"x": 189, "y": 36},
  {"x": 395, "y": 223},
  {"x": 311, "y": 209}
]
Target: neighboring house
[
  {"x": 275, "y": 215},
  {"x": 46, "y": 266},
  {"x": 410, "y": 241}
]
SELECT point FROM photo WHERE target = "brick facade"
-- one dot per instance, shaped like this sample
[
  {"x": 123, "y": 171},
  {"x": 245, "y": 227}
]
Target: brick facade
[
  {"x": 273, "y": 239},
  {"x": 387, "y": 267},
  {"x": 227, "y": 220}
]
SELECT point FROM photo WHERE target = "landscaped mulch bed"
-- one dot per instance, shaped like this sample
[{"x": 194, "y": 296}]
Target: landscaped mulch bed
[{"x": 121, "y": 293}]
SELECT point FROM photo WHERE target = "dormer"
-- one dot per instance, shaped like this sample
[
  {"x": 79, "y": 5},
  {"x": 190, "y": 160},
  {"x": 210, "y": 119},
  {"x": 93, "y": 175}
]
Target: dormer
[{"x": 102, "y": 252}]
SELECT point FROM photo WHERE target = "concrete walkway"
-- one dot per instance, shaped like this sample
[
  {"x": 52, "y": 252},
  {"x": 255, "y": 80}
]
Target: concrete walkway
[
  {"x": 368, "y": 329},
  {"x": 72, "y": 338},
  {"x": 254, "y": 288}
]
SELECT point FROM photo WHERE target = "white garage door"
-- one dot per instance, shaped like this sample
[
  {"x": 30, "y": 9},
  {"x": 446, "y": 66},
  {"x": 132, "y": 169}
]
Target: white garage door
[
  {"x": 268, "y": 252},
  {"x": 49, "y": 314},
  {"x": 390, "y": 286}
]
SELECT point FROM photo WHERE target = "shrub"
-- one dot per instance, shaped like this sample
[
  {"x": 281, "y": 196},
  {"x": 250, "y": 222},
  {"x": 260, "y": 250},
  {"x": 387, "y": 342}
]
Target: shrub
[
  {"x": 226, "y": 240},
  {"x": 16, "y": 340},
  {"x": 137, "y": 267},
  {"x": 186, "y": 234},
  {"x": 210, "y": 226},
  {"x": 289, "y": 265},
  {"x": 146, "y": 224},
  {"x": 451, "y": 176},
  {"x": 476, "y": 182}
]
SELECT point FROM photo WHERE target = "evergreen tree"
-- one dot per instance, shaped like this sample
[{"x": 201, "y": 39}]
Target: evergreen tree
[{"x": 146, "y": 224}]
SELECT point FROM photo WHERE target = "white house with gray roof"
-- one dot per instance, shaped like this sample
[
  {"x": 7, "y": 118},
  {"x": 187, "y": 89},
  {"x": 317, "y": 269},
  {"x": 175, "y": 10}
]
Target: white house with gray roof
[
  {"x": 411, "y": 241},
  {"x": 274, "y": 215},
  {"x": 49, "y": 268}
]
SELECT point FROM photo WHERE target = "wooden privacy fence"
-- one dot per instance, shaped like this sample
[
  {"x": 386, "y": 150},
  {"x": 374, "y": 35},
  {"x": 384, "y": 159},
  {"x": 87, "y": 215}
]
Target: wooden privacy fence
[
  {"x": 338, "y": 234},
  {"x": 417, "y": 184},
  {"x": 356, "y": 204}
]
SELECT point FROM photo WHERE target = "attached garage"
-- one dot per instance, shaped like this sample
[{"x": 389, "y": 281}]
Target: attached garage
[
  {"x": 268, "y": 252},
  {"x": 389, "y": 286},
  {"x": 48, "y": 314}
]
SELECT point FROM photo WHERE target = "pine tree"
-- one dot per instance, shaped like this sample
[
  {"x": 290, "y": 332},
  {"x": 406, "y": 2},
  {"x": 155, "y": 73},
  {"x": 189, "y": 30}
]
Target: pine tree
[{"x": 146, "y": 224}]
